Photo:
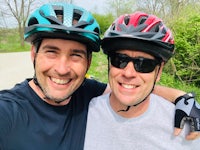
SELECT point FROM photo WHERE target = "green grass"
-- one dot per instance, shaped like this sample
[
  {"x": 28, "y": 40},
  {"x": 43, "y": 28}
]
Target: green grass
[
  {"x": 168, "y": 80},
  {"x": 98, "y": 68},
  {"x": 9, "y": 42}
]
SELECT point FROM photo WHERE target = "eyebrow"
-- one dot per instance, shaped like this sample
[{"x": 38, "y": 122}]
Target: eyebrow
[
  {"x": 73, "y": 50},
  {"x": 80, "y": 51},
  {"x": 50, "y": 47}
]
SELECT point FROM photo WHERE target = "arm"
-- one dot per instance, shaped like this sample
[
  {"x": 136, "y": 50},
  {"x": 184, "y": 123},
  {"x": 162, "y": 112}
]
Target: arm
[{"x": 168, "y": 93}]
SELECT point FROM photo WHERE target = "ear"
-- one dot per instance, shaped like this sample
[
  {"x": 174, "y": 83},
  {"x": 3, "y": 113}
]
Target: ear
[
  {"x": 159, "y": 72},
  {"x": 33, "y": 52},
  {"x": 89, "y": 61}
]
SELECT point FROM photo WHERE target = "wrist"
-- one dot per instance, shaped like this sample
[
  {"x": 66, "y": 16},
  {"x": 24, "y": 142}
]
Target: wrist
[{"x": 185, "y": 97}]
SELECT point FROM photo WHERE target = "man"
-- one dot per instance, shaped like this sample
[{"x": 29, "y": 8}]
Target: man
[
  {"x": 131, "y": 117},
  {"x": 49, "y": 112}
]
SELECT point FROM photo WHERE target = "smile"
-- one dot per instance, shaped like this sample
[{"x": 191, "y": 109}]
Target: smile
[
  {"x": 128, "y": 86},
  {"x": 60, "y": 81}
]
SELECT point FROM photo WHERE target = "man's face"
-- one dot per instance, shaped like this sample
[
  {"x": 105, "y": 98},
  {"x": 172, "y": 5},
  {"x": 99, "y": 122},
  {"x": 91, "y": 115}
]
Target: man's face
[
  {"x": 60, "y": 67},
  {"x": 129, "y": 87}
]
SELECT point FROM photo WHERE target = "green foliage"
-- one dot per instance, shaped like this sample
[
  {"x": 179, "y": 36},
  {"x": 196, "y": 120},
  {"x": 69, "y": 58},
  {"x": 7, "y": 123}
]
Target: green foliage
[
  {"x": 98, "y": 68},
  {"x": 187, "y": 38},
  {"x": 10, "y": 41},
  {"x": 104, "y": 21},
  {"x": 169, "y": 81}
]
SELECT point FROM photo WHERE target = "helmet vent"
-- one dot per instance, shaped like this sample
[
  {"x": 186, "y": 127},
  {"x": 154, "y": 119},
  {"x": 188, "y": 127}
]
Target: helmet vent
[
  {"x": 126, "y": 19},
  {"x": 142, "y": 20},
  {"x": 59, "y": 15},
  {"x": 96, "y": 30},
  {"x": 156, "y": 28},
  {"x": 59, "y": 12},
  {"x": 32, "y": 21},
  {"x": 76, "y": 16}
]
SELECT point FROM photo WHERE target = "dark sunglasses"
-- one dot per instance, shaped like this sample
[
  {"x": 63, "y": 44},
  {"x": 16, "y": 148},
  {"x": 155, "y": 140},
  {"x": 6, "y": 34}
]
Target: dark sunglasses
[{"x": 142, "y": 65}]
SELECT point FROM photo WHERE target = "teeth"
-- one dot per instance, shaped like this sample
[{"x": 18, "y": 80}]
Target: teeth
[
  {"x": 59, "y": 81},
  {"x": 128, "y": 86}
]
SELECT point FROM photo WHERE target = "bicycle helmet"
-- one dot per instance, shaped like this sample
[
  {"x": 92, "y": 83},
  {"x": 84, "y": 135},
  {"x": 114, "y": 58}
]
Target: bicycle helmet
[
  {"x": 65, "y": 21},
  {"x": 142, "y": 32}
]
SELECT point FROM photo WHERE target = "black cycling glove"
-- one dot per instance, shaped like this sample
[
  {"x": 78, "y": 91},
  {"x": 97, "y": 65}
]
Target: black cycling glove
[{"x": 187, "y": 109}]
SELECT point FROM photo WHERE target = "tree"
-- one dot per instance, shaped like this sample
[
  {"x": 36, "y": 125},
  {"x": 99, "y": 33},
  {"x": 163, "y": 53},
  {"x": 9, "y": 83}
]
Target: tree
[
  {"x": 165, "y": 9},
  {"x": 19, "y": 9},
  {"x": 119, "y": 7},
  {"x": 69, "y": 1},
  {"x": 155, "y": 7},
  {"x": 2, "y": 21}
]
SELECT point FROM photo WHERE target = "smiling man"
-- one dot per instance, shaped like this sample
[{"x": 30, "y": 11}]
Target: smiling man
[
  {"x": 49, "y": 111},
  {"x": 131, "y": 116},
  {"x": 65, "y": 63}
]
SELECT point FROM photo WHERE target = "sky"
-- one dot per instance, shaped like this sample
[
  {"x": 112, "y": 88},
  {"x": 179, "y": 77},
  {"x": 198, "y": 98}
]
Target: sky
[{"x": 97, "y": 6}]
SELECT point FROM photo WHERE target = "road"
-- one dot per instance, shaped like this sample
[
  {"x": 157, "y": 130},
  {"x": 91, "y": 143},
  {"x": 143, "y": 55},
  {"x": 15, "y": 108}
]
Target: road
[{"x": 14, "y": 68}]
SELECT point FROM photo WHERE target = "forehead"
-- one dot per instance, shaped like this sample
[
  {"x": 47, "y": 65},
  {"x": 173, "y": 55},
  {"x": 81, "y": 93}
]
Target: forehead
[
  {"x": 135, "y": 53},
  {"x": 63, "y": 44}
]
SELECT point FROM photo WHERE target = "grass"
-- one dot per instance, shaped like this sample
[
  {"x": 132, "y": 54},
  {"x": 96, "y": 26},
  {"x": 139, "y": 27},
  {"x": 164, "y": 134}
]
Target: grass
[
  {"x": 98, "y": 68},
  {"x": 9, "y": 42}
]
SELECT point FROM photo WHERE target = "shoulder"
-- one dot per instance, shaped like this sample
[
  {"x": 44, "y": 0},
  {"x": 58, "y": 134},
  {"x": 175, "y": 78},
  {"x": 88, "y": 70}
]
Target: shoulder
[
  {"x": 100, "y": 100},
  {"x": 161, "y": 100},
  {"x": 98, "y": 106},
  {"x": 92, "y": 87},
  {"x": 160, "y": 103},
  {"x": 89, "y": 89},
  {"x": 91, "y": 83},
  {"x": 16, "y": 93}
]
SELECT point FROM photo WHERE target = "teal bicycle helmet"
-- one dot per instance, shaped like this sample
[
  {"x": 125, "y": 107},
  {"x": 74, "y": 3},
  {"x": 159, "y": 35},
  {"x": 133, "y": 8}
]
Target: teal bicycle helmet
[
  {"x": 142, "y": 32},
  {"x": 65, "y": 21}
]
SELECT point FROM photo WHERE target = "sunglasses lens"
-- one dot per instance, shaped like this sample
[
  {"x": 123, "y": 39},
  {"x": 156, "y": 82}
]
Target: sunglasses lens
[
  {"x": 145, "y": 65},
  {"x": 142, "y": 65},
  {"x": 118, "y": 60}
]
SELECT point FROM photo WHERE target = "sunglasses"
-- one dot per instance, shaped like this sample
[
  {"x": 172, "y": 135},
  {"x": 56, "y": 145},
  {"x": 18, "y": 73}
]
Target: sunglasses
[{"x": 142, "y": 65}]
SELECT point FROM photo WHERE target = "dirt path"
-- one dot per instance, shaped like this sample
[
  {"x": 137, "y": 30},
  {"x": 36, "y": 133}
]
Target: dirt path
[{"x": 14, "y": 68}]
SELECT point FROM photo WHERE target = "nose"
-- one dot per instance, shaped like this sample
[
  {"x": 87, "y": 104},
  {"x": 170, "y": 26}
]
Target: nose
[
  {"x": 62, "y": 66},
  {"x": 129, "y": 70}
]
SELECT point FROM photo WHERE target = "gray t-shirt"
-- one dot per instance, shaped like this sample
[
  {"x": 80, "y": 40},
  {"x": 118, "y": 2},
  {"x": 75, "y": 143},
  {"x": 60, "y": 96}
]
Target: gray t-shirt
[{"x": 153, "y": 130}]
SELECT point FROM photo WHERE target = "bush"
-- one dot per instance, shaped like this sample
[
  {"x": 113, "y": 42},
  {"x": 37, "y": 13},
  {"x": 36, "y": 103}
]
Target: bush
[{"x": 187, "y": 39}]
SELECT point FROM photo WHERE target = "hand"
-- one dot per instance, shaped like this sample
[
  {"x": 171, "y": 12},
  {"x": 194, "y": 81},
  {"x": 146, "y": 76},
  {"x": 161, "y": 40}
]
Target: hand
[
  {"x": 191, "y": 136},
  {"x": 187, "y": 109}
]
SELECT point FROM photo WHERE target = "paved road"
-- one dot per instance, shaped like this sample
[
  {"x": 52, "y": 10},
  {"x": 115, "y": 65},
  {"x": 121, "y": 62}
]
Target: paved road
[{"x": 14, "y": 68}]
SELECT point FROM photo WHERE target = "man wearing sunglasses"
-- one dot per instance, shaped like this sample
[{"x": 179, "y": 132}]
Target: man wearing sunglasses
[{"x": 131, "y": 117}]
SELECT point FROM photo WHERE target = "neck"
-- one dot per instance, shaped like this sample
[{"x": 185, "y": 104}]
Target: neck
[
  {"x": 39, "y": 92},
  {"x": 133, "y": 112}
]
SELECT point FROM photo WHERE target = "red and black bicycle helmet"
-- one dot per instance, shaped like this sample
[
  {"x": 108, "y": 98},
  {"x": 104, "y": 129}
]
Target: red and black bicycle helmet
[{"x": 142, "y": 32}]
